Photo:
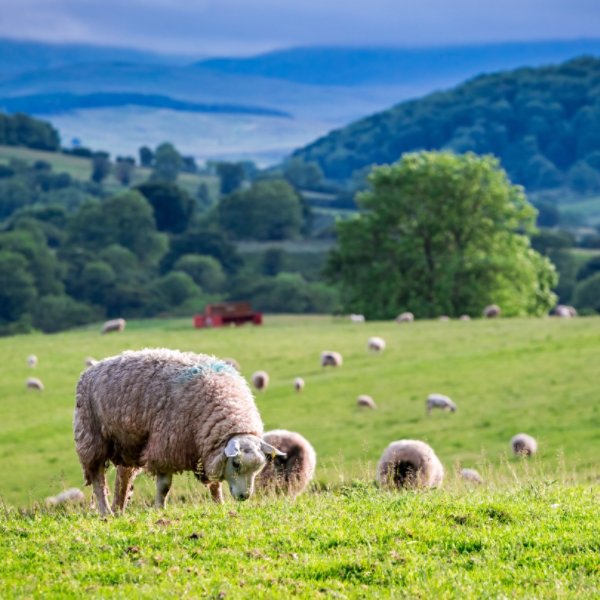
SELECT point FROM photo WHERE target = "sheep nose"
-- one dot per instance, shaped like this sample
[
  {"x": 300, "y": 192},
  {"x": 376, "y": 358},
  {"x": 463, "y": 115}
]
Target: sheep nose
[{"x": 243, "y": 496}]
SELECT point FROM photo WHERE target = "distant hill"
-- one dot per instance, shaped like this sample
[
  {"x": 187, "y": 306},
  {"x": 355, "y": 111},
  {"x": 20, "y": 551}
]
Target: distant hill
[{"x": 543, "y": 123}]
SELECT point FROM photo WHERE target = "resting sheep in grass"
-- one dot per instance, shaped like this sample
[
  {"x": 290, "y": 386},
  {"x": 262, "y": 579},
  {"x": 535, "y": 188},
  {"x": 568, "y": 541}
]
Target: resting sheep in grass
[
  {"x": 376, "y": 344},
  {"x": 32, "y": 360},
  {"x": 405, "y": 317},
  {"x": 366, "y": 401},
  {"x": 464, "y": 318},
  {"x": 471, "y": 475},
  {"x": 357, "y": 318},
  {"x": 72, "y": 495},
  {"x": 491, "y": 311},
  {"x": 331, "y": 359},
  {"x": 113, "y": 325},
  {"x": 298, "y": 384},
  {"x": 409, "y": 463},
  {"x": 33, "y": 383},
  {"x": 291, "y": 473},
  {"x": 523, "y": 444},
  {"x": 439, "y": 401},
  {"x": 167, "y": 411},
  {"x": 260, "y": 380}
]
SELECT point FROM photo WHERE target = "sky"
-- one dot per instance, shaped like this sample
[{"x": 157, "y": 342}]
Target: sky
[{"x": 244, "y": 27}]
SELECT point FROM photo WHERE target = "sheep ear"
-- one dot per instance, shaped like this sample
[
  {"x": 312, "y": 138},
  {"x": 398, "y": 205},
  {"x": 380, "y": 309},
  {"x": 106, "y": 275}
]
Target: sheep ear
[
  {"x": 271, "y": 450},
  {"x": 233, "y": 448}
]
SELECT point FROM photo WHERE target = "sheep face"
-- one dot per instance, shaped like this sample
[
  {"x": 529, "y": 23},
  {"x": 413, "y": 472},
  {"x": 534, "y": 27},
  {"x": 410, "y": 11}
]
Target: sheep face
[{"x": 245, "y": 457}]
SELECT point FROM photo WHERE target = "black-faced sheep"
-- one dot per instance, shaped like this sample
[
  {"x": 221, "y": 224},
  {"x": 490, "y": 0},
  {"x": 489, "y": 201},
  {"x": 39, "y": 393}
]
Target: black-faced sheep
[
  {"x": 289, "y": 474},
  {"x": 33, "y": 383},
  {"x": 405, "y": 317},
  {"x": 523, "y": 444},
  {"x": 113, "y": 325},
  {"x": 167, "y": 412},
  {"x": 298, "y": 384},
  {"x": 439, "y": 401},
  {"x": 365, "y": 401},
  {"x": 376, "y": 344},
  {"x": 409, "y": 463},
  {"x": 260, "y": 380},
  {"x": 491, "y": 311},
  {"x": 331, "y": 359},
  {"x": 32, "y": 360}
]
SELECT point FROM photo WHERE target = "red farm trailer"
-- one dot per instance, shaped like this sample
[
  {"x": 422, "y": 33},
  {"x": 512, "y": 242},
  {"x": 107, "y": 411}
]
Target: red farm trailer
[{"x": 227, "y": 313}]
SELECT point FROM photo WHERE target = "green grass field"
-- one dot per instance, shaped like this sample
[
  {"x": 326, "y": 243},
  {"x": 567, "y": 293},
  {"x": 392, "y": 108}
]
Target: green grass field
[{"x": 531, "y": 530}]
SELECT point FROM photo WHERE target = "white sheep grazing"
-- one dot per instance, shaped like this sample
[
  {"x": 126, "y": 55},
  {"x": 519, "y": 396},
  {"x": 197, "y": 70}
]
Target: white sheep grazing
[
  {"x": 439, "y": 401},
  {"x": 357, "y": 318},
  {"x": 72, "y": 495},
  {"x": 491, "y": 311},
  {"x": 464, "y": 318},
  {"x": 405, "y": 317},
  {"x": 166, "y": 412},
  {"x": 330, "y": 358},
  {"x": 366, "y": 401},
  {"x": 376, "y": 344},
  {"x": 289, "y": 474},
  {"x": 113, "y": 325},
  {"x": 32, "y": 360},
  {"x": 471, "y": 475},
  {"x": 33, "y": 383},
  {"x": 443, "y": 318},
  {"x": 409, "y": 463},
  {"x": 564, "y": 311},
  {"x": 89, "y": 361},
  {"x": 260, "y": 380},
  {"x": 523, "y": 444},
  {"x": 298, "y": 384}
]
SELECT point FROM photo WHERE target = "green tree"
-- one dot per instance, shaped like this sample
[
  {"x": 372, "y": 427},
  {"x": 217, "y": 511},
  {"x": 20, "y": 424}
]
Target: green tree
[
  {"x": 269, "y": 210},
  {"x": 100, "y": 167},
  {"x": 17, "y": 288},
  {"x": 303, "y": 175},
  {"x": 231, "y": 176},
  {"x": 587, "y": 293},
  {"x": 441, "y": 234},
  {"x": 124, "y": 168},
  {"x": 172, "y": 205},
  {"x": 146, "y": 156},
  {"x": 167, "y": 163},
  {"x": 206, "y": 271}
]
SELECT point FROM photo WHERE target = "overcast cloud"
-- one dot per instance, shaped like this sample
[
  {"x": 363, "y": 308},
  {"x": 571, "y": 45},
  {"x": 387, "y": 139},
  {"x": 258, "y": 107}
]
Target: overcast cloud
[{"x": 238, "y": 27}]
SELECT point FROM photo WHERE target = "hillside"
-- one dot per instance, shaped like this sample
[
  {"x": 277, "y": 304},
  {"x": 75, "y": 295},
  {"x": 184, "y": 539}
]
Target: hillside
[{"x": 543, "y": 123}]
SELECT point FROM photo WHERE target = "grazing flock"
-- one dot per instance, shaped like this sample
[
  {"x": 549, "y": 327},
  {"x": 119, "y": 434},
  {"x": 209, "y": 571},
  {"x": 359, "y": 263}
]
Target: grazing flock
[{"x": 166, "y": 411}]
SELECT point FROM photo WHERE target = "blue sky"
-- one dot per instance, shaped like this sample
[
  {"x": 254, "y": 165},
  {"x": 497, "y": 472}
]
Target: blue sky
[{"x": 240, "y": 27}]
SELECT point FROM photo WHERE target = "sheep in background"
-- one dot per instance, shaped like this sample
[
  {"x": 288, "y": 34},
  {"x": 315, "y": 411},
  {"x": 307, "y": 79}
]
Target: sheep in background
[
  {"x": 523, "y": 444},
  {"x": 298, "y": 384},
  {"x": 72, "y": 495},
  {"x": 289, "y": 474},
  {"x": 260, "y": 380},
  {"x": 405, "y": 317},
  {"x": 89, "y": 361},
  {"x": 167, "y": 411},
  {"x": 439, "y": 401},
  {"x": 366, "y": 401},
  {"x": 464, "y": 318},
  {"x": 234, "y": 363},
  {"x": 357, "y": 318},
  {"x": 376, "y": 344},
  {"x": 32, "y": 360},
  {"x": 564, "y": 311},
  {"x": 443, "y": 318},
  {"x": 331, "y": 359},
  {"x": 409, "y": 463},
  {"x": 113, "y": 325},
  {"x": 471, "y": 475},
  {"x": 33, "y": 383},
  {"x": 491, "y": 311}
]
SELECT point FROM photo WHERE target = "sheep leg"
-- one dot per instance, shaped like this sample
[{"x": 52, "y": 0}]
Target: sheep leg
[
  {"x": 163, "y": 486},
  {"x": 216, "y": 492},
  {"x": 123, "y": 487},
  {"x": 101, "y": 491}
]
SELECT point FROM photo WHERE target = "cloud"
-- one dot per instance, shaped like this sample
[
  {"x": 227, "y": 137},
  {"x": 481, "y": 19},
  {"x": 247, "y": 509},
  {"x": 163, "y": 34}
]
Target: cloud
[{"x": 233, "y": 27}]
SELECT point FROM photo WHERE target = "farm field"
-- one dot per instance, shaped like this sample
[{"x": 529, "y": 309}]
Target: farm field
[{"x": 531, "y": 530}]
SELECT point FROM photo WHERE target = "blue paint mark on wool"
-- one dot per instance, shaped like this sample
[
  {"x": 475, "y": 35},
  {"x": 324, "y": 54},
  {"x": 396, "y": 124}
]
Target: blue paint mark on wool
[{"x": 219, "y": 367}]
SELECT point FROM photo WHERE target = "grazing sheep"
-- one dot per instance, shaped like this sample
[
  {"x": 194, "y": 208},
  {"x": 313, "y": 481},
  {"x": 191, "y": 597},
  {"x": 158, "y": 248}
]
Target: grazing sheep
[
  {"x": 233, "y": 363},
  {"x": 366, "y": 401},
  {"x": 72, "y": 495},
  {"x": 564, "y": 311},
  {"x": 491, "y": 311},
  {"x": 409, "y": 463},
  {"x": 331, "y": 359},
  {"x": 464, "y": 318},
  {"x": 32, "y": 360},
  {"x": 357, "y": 318},
  {"x": 291, "y": 473},
  {"x": 405, "y": 317},
  {"x": 33, "y": 383},
  {"x": 260, "y": 380},
  {"x": 113, "y": 325},
  {"x": 90, "y": 361},
  {"x": 298, "y": 384},
  {"x": 471, "y": 475},
  {"x": 523, "y": 444},
  {"x": 439, "y": 401},
  {"x": 167, "y": 411},
  {"x": 443, "y": 318},
  {"x": 376, "y": 344}
]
